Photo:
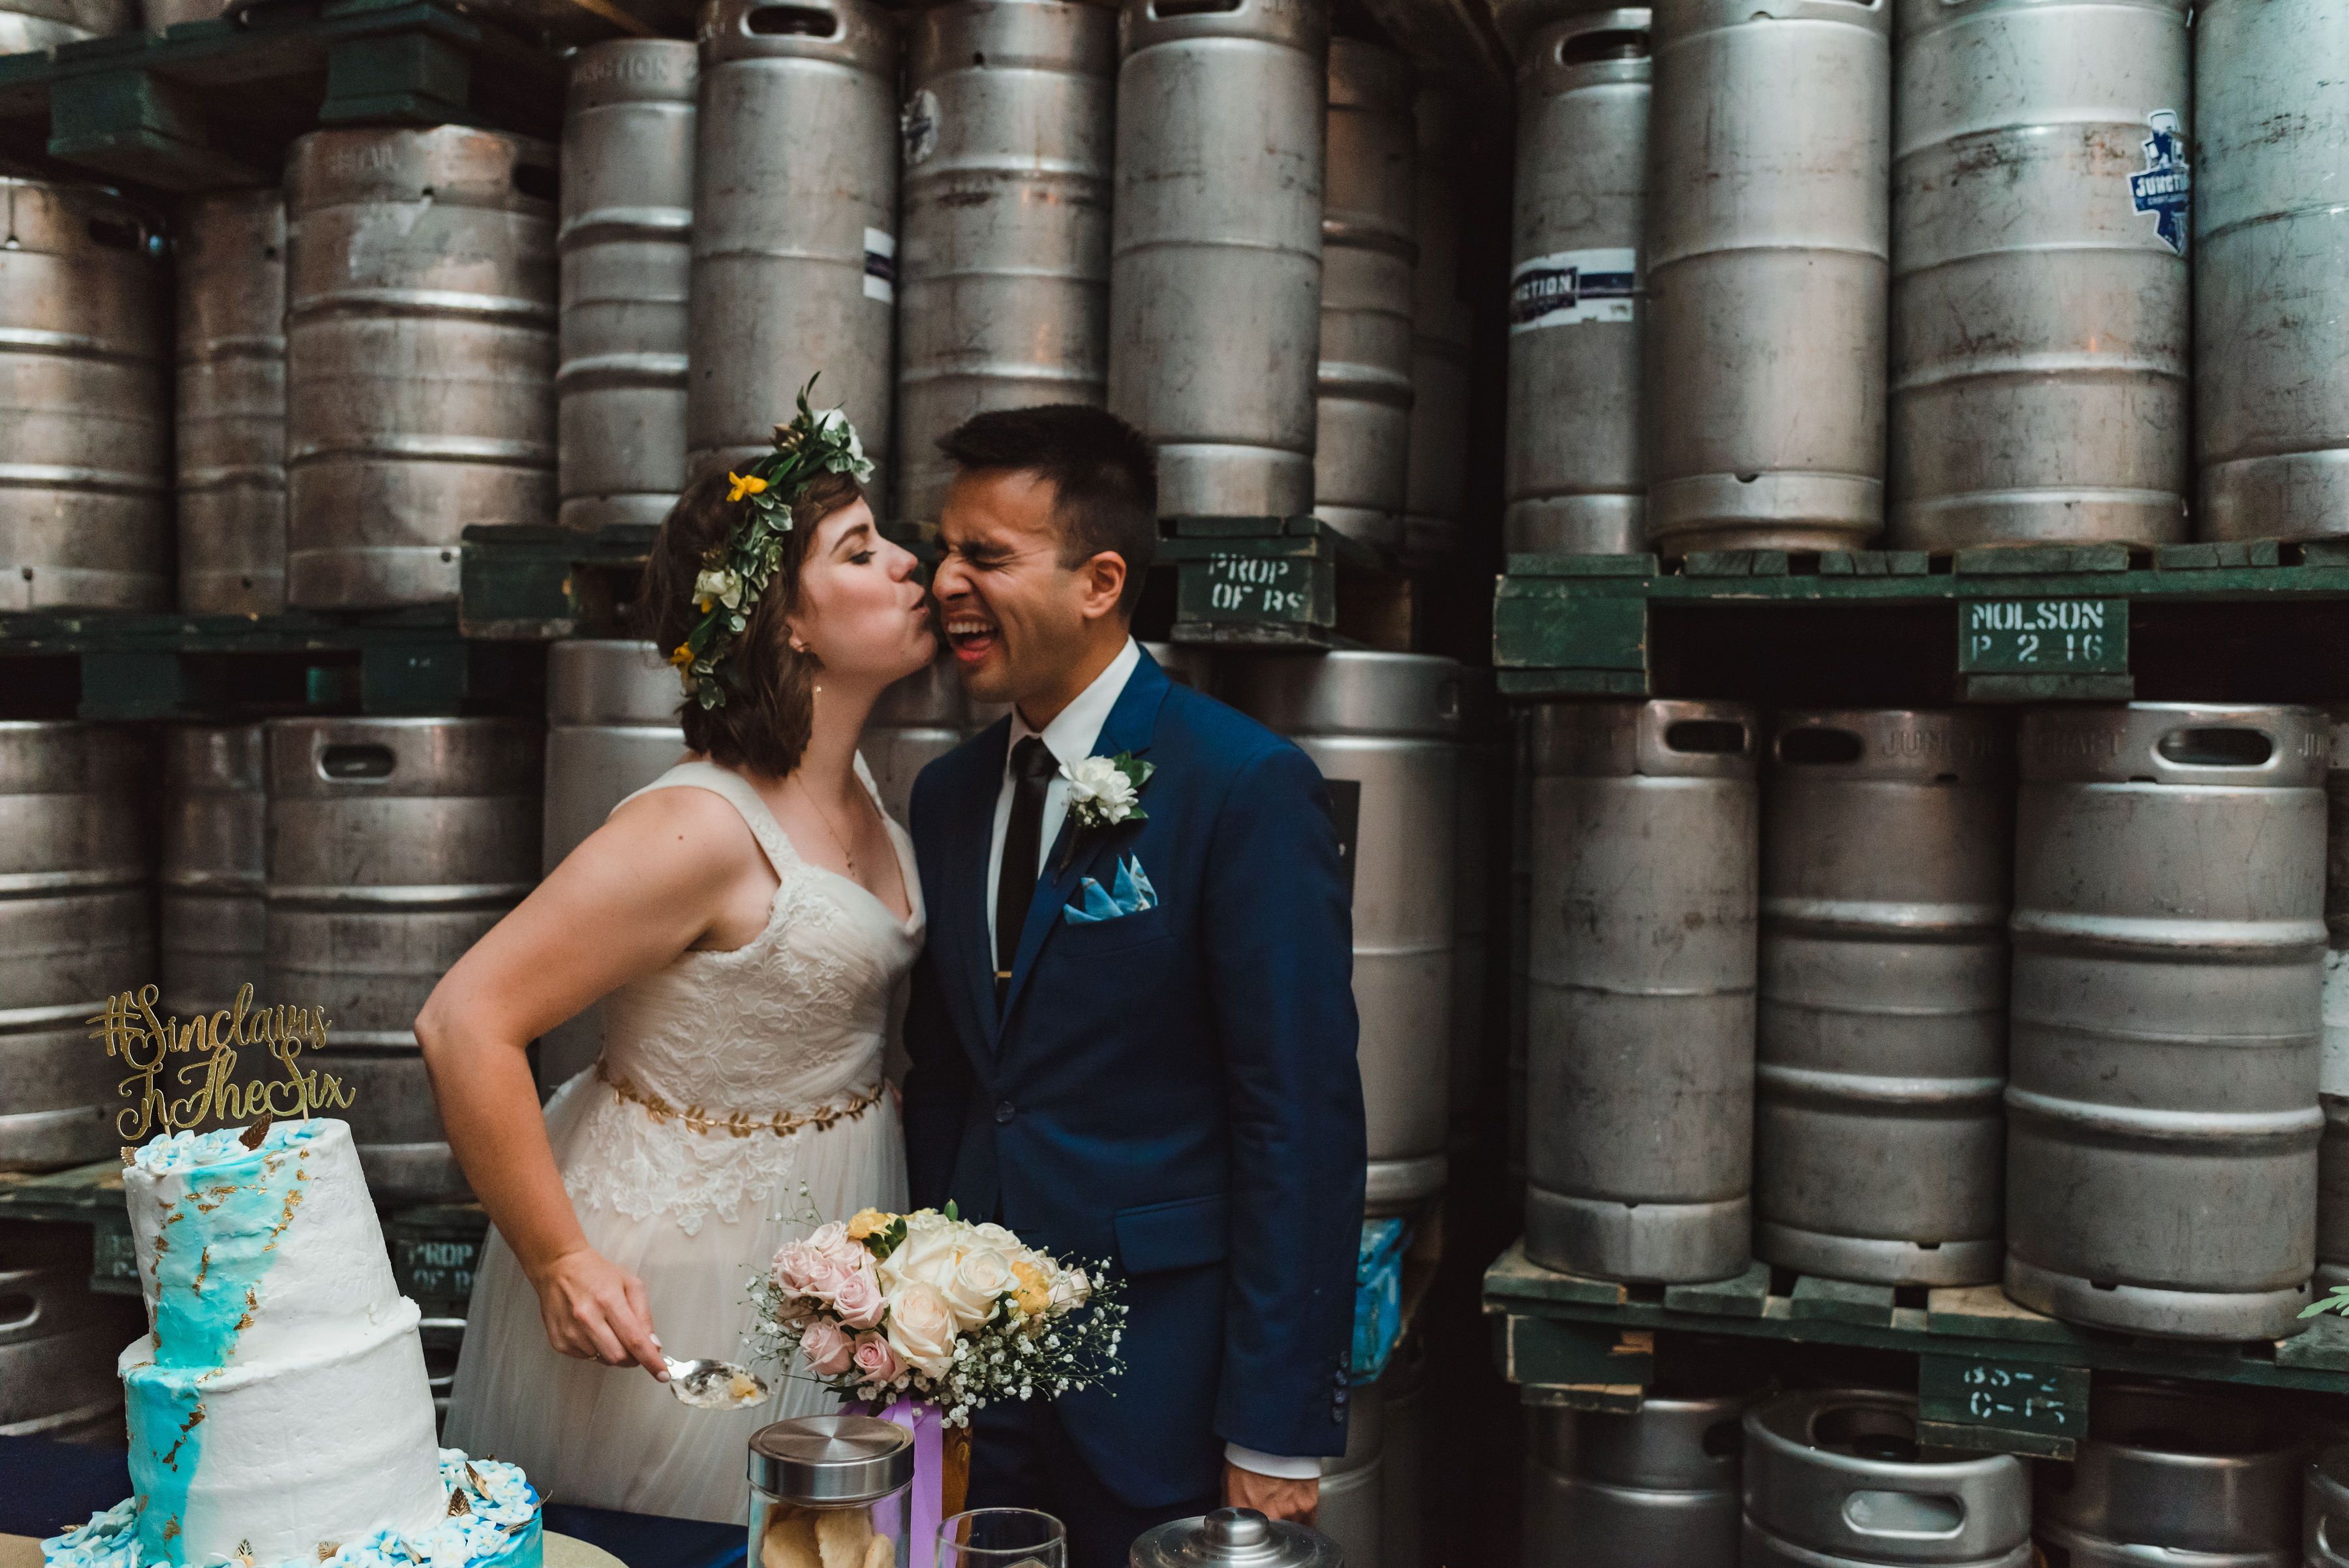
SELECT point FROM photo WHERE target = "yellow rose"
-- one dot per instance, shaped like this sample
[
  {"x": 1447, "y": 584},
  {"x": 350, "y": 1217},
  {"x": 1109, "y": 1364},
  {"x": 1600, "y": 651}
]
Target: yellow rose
[
  {"x": 1035, "y": 1291},
  {"x": 868, "y": 1222}
]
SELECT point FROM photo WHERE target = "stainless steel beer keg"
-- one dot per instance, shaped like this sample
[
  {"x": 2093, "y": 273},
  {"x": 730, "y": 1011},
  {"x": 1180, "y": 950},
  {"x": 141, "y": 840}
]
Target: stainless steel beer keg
[
  {"x": 1573, "y": 483},
  {"x": 1878, "y": 1136},
  {"x": 231, "y": 446},
  {"x": 1435, "y": 494},
  {"x": 2324, "y": 1524},
  {"x": 1352, "y": 1511},
  {"x": 85, "y": 334},
  {"x": 212, "y": 865},
  {"x": 1402, "y": 1455},
  {"x": 1361, "y": 441},
  {"x": 419, "y": 356},
  {"x": 1834, "y": 1478},
  {"x": 795, "y": 226},
  {"x": 1215, "y": 295},
  {"x": 1640, "y": 992},
  {"x": 2270, "y": 295},
  {"x": 2162, "y": 1113},
  {"x": 394, "y": 845},
  {"x": 29, "y": 24},
  {"x": 1011, "y": 115},
  {"x": 59, "y": 1340},
  {"x": 1768, "y": 235},
  {"x": 2333, "y": 1051},
  {"x": 2039, "y": 303},
  {"x": 2169, "y": 1476},
  {"x": 1657, "y": 1486},
  {"x": 628, "y": 220},
  {"x": 917, "y": 720}
]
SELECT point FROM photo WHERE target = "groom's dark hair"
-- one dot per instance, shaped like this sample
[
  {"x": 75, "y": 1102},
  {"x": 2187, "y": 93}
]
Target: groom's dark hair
[{"x": 1104, "y": 471}]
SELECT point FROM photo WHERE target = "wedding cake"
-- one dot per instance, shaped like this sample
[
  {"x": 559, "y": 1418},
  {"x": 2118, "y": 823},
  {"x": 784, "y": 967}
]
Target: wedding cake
[{"x": 278, "y": 1410}]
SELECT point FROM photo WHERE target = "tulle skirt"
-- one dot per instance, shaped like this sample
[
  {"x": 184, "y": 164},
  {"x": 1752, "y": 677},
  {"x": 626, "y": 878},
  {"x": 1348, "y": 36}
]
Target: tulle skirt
[{"x": 612, "y": 1437}]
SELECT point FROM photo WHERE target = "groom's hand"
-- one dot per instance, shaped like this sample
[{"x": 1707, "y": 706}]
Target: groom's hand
[
  {"x": 1269, "y": 1495},
  {"x": 595, "y": 1310}
]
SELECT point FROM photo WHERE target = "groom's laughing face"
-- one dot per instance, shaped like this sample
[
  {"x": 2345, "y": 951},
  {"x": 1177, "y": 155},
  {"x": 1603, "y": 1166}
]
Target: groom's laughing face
[{"x": 1013, "y": 614}]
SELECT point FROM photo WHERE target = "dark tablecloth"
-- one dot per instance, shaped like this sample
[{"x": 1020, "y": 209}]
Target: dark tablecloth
[{"x": 46, "y": 1487}]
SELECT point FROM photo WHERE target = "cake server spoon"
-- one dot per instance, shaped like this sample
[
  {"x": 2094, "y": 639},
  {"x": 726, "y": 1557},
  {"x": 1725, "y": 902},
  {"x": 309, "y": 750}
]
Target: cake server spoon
[{"x": 714, "y": 1385}]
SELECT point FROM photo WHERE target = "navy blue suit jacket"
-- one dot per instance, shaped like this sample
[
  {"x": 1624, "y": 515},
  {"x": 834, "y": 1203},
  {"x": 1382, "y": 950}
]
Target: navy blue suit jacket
[{"x": 1174, "y": 1091}]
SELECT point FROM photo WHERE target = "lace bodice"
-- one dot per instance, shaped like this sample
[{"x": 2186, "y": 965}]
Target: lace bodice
[{"x": 794, "y": 1022}]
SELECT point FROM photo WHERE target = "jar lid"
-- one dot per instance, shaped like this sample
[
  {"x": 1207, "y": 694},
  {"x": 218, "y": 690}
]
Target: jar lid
[
  {"x": 1235, "y": 1535},
  {"x": 823, "y": 1460}
]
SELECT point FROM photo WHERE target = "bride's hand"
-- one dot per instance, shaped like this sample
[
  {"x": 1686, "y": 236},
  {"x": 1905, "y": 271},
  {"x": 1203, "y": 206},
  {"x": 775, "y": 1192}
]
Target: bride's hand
[{"x": 595, "y": 1310}]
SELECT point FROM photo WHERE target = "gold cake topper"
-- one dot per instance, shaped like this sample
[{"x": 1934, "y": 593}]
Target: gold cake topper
[{"x": 133, "y": 1031}]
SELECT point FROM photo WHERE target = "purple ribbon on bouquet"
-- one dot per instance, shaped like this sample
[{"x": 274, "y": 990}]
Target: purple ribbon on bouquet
[{"x": 920, "y": 1417}]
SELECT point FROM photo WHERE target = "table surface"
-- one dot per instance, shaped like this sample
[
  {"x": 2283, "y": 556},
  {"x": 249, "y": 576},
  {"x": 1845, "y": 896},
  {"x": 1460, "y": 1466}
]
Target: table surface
[{"x": 46, "y": 1487}]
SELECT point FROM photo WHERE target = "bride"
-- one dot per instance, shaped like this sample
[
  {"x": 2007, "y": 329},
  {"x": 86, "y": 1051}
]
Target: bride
[{"x": 748, "y": 916}]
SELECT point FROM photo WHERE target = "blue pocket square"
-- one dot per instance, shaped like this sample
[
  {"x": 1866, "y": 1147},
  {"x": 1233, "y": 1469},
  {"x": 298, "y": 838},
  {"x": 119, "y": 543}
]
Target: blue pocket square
[{"x": 1129, "y": 893}]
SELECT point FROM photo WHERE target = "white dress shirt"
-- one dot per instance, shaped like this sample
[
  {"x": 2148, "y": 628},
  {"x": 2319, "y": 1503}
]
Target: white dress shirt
[{"x": 1069, "y": 737}]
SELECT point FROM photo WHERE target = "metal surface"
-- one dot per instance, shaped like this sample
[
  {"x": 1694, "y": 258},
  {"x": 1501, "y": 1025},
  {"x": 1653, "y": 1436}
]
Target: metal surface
[
  {"x": 2040, "y": 322},
  {"x": 628, "y": 219},
  {"x": 1834, "y": 1477},
  {"x": 1009, "y": 119},
  {"x": 1574, "y": 482},
  {"x": 59, "y": 1341},
  {"x": 1435, "y": 491},
  {"x": 1387, "y": 723},
  {"x": 2270, "y": 295},
  {"x": 1236, "y": 1536},
  {"x": 1402, "y": 1456},
  {"x": 212, "y": 866},
  {"x": 74, "y": 929},
  {"x": 831, "y": 1460},
  {"x": 29, "y": 25},
  {"x": 1215, "y": 249},
  {"x": 1878, "y": 1136},
  {"x": 794, "y": 237},
  {"x": 2169, "y": 1476},
  {"x": 1477, "y": 831},
  {"x": 1352, "y": 1508},
  {"x": 1361, "y": 441},
  {"x": 230, "y": 252},
  {"x": 1640, "y": 989},
  {"x": 419, "y": 356},
  {"x": 2325, "y": 1521},
  {"x": 158, "y": 15},
  {"x": 1656, "y": 1486},
  {"x": 1768, "y": 231},
  {"x": 2333, "y": 1050},
  {"x": 86, "y": 473},
  {"x": 2162, "y": 1115},
  {"x": 916, "y": 722},
  {"x": 393, "y": 845}
]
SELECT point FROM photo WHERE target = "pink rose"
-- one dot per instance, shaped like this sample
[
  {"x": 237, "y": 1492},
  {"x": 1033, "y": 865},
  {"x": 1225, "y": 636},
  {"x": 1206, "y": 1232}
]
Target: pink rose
[
  {"x": 875, "y": 1362},
  {"x": 828, "y": 1350},
  {"x": 794, "y": 1265},
  {"x": 857, "y": 1297},
  {"x": 831, "y": 1241}
]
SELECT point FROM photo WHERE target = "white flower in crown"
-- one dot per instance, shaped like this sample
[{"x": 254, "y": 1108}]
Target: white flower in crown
[
  {"x": 1106, "y": 790},
  {"x": 718, "y": 583}
]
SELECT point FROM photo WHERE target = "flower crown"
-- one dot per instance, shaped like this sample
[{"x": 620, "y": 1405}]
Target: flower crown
[{"x": 737, "y": 569}]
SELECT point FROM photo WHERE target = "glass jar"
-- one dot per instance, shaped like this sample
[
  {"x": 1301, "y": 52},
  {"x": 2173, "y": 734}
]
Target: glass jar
[{"x": 830, "y": 1491}]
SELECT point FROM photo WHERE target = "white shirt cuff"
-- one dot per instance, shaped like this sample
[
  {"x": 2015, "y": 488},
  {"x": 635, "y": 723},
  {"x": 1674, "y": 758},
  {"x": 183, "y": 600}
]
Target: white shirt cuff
[{"x": 1280, "y": 1467}]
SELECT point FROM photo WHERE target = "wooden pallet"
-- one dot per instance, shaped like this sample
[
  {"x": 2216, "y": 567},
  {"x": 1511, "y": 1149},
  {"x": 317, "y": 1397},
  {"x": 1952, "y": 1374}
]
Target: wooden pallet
[{"x": 1991, "y": 1376}]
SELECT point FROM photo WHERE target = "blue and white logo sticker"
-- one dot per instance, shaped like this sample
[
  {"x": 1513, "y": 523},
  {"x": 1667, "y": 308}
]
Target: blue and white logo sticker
[
  {"x": 2166, "y": 189},
  {"x": 1566, "y": 288},
  {"x": 880, "y": 266}
]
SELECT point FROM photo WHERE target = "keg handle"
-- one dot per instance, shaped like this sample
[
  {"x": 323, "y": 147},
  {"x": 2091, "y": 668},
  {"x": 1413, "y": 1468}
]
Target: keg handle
[
  {"x": 14, "y": 1302},
  {"x": 348, "y": 761},
  {"x": 1165, "y": 10},
  {"x": 1904, "y": 1515},
  {"x": 789, "y": 19},
  {"x": 2233, "y": 747}
]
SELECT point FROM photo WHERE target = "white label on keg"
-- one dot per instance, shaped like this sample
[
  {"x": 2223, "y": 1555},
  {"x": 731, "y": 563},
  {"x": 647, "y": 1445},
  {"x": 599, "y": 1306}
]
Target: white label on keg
[
  {"x": 918, "y": 126},
  {"x": 880, "y": 266},
  {"x": 2332, "y": 1060},
  {"x": 1566, "y": 288},
  {"x": 2165, "y": 188}
]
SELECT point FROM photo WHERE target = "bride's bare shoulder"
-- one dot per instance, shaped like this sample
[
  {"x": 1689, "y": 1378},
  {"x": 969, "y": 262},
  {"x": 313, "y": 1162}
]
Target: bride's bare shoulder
[{"x": 689, "y": 832}]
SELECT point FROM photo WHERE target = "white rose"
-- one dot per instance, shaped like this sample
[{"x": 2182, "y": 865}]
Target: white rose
[
  {"x": 1070, "y": 1290},
  {"x": 927, "y": 1256},
  {"x": 921, "y": 1327},
  {"x": 990, "y": 1234},
  {"x": 718, "y": 583},
  {"x": 1096, "y": 781},
  {"x": 981, "y": 1275}
]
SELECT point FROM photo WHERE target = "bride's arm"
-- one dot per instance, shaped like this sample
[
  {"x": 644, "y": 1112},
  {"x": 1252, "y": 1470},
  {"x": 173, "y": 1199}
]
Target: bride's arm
[{"x": 648, "y": 885}]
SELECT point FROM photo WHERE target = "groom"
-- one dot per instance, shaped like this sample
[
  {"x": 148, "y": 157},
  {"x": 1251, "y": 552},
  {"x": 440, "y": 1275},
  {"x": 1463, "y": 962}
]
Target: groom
[{"x": 1170, "y": 1084}]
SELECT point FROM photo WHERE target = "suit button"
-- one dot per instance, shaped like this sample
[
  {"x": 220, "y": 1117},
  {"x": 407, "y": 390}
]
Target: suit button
[{"x": 1004, "y": 1113}]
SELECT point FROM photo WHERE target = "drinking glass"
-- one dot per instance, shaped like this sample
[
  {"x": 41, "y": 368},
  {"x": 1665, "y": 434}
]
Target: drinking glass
[{"x": 1003, "y": 1538}]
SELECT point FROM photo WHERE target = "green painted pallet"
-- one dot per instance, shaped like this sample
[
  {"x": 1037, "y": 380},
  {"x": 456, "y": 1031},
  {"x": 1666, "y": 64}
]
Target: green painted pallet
[{"x": 1282, "y": 582}]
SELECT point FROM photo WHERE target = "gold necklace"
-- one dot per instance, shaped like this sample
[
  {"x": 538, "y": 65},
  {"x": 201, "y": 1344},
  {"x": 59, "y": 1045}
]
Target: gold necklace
[{"x": 823, "y": 817}]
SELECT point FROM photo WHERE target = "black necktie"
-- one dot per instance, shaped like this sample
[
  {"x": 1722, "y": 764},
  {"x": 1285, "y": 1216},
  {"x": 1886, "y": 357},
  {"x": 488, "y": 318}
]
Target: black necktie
[{"x": 1032, "y": 767}]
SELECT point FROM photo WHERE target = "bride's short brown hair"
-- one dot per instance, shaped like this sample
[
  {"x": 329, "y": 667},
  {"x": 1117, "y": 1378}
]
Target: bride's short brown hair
[{"x": 763, "y": 726}]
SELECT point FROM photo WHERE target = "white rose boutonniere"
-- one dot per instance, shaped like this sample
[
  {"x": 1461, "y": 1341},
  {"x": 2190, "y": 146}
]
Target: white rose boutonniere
[{"x": 1104, "y": 792}]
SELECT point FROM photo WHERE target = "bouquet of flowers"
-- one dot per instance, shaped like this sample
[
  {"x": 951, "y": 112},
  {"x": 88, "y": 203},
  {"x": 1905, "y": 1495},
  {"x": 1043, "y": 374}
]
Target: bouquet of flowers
[{"x": 928, "y": 1306}]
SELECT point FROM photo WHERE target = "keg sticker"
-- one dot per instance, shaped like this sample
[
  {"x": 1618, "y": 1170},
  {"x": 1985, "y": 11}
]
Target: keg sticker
[
  {"x": 917, "y": 127},
  {"x": 2166, "y": 189},
  {"x": 1565, "y": 288},
  {"x": 2053, "y": 637},
  {"x": 880, "y": 266},
  {"x": 1274, "y": 587}
]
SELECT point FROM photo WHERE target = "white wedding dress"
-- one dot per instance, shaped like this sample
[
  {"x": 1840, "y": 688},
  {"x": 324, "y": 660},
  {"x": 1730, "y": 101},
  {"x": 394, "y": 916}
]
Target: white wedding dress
[{"x": 669, "y": 1152}]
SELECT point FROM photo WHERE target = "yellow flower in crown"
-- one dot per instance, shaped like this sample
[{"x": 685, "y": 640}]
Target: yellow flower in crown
[
  {"x": 681, "y": 654},
  {"x": 867, "y": 1222},
  {"x": 744, "y": 485}
]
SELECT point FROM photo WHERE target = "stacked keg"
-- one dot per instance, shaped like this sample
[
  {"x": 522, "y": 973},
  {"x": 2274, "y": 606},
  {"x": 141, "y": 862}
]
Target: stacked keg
[
  {"x": 231, "y": 447},
  {"x": 86, "y": 478},
  {"x": 394, "y": 845},
  {"x": 1640, "y": 989},
  {"x": 420, "y": 350},
  {"x": 1363, "y": 396},
  {"x": 794, "y": 235},
  {"x": 2325, "y": 1525},
  {"x": 214, "y": 863},
  {"x": 1834, "y": 1478},
  {"x": 1657, "y": 1486},
  {"x": 1436, "y": 477},
  {"x": 1383, "y": 729},
  {"x": 1768, "y": 234},
  {"x": 75, "y": 928},
  {"x": 1574, "y": 481},
  {"x": 1402, "y": 1455},
  {"x": 2166, "y": 1476},
  {"x": 1004, "y": 281},
  {"x": 916, "y": 722},
  {"x": 29, "y": 25},
  {"x": 627, "y": 217},
  {"x": 1215, "y": 249},
  {"x": 1352, "y": 1509},
  {"x": 1878, "y": 1132},
  {"x": 59, "y": 1342},
  {"x": 2270, "y": 293},
  {"x": 2333, "y": 1055},
  {"x": 2162, "y": 1109},
  {"x": 611, "y": 728},
  {"x": 2039, "y": 304}
]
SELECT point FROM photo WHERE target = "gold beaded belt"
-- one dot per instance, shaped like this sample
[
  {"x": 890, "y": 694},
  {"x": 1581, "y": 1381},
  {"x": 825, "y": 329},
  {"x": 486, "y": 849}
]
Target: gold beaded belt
[{"x": 740, "y": 1124}]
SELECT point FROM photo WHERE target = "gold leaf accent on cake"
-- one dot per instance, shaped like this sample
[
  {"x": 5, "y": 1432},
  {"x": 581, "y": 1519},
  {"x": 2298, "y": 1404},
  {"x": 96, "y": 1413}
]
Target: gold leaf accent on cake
[
  {"x": 171, "y": 1529},
  {"x": 473, "y": 1480},
  {"x": 255, "y": 1133},
  {"x": 251, "y": 1305},
  {"x": 203, "y": 1267},
  {"x": 457, "y": 1503},
  {"x": 326, "y": 1549},
  {"x": 130, "y": 1154},
  {"x": 244, "y": 1553}
]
